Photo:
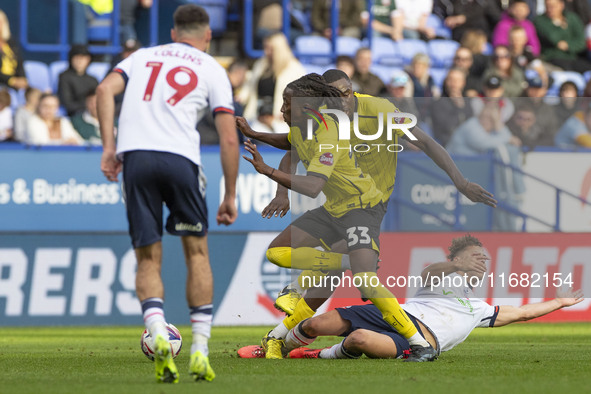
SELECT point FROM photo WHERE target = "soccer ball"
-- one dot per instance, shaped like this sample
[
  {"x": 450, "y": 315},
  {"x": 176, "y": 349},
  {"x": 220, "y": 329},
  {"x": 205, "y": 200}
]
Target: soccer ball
[{"x": 174, "y": 337}]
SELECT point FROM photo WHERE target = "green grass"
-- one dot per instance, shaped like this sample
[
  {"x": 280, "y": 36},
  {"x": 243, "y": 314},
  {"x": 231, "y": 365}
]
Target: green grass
[{"x": 531, "y": 357}]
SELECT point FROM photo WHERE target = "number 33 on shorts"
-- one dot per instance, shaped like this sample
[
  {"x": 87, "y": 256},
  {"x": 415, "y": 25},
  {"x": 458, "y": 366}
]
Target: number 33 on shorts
[{"x": 358, "y": 235}]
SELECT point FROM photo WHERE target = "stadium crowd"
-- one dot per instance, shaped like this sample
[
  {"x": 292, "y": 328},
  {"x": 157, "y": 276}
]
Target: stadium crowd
[{"x": 531, "y": 56}]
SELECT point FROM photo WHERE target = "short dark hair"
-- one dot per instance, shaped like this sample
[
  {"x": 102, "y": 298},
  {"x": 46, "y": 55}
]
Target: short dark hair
[
  {"x": 568, "y": 84},
  {"x": 190, "y": 17},
  {"x": 334, "y": 75},
  {"x": 238, "y": 63},
  {"x": 346, "y": 59},
  {"x": 461, "y": 243}
]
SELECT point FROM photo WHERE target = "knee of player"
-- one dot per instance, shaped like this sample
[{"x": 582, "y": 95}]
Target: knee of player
[
  {"x": 280, "y": 256},
  {"x": 356, "y": 340},
  {"x": 311, "y": 327}
]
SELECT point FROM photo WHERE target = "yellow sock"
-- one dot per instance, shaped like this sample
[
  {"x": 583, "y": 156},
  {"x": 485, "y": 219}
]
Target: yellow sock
[
  {"x": 304, "y": 258},
  {"x": 311, "y": 278},
  {"x": 385, "y": 301},
  {"x": 301, "y": 312}
]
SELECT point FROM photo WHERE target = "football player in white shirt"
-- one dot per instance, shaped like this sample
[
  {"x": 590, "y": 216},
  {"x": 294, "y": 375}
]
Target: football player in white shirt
[
  {"x": 167, "y": 89},
  {"x": 444, "y": 314}
]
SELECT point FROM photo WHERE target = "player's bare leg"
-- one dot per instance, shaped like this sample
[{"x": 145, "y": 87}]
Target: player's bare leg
[
  {"x": 150, "y": 291},
  {"x": 363, "y": 265},
  {"x": 199, "y": 297}
]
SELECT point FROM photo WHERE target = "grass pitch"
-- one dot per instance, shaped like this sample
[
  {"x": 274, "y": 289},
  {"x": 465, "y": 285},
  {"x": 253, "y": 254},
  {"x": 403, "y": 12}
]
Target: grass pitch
[{"x": 553, "y": 358}]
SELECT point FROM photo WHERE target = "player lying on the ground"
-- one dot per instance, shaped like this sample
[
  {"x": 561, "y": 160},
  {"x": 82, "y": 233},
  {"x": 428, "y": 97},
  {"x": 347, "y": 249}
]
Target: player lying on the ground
[{"x": 445, "y": 315}]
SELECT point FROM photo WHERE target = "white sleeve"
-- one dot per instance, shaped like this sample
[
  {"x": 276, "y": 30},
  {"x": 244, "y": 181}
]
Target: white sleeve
[
  {"x": 488, "y": 315},
  {"x": 68, "y": 131},
  {"x": 37, "y": 133},
  {"x": 221, "y": 99}
]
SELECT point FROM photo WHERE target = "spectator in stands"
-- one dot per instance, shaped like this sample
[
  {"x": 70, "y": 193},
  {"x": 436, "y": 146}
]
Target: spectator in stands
[
  {"x": 347, "y": 65},
  {"x": 493, "y": 92},
  {"x": 237, "y": 72},
  {"x": 265, "y": 122},
  {"x": 25, "y": 112},
  {"x": 6, "y": 124},
  {"x": 46, "y": 128},
  {"x": 12, "y": 72},
  {"x": 487, "y": 132},
  {"x": 269, "y": 77},
  {"x": 384, "y": 22},
  {"x": 86, "y": 123},
  {"x": 562, "y": 36},
  {"x": 368, "y": 82},
  {"x": 452, "y": 109},
  {"x": 522, "y": 54},
  {"x": 481, "y": 133},
  {"x": 576, "y": 131},
  {"x": 512, "y": 77},
  {"x": 524, "y": 126},
  {"x": 74, "y": 84},
  {"x": 268, "y": 20},
  {"x": 411, "y": 17},
  {"x": 463, "y": 60},
  {"x": 400, "y": 87},
  {"x": 421, "y": 79},
  {"x": 128, "y": 9},
  {"x": 579, "y": 7},
  {"x": 569, "y": 101},
  {"x": 350, "y": 12},
  {"x": 464, "y": 15},
  {"x": 545, "y": 115},
  {"x": 517, "y": 15},
  {"x": 475, "y": 41}
]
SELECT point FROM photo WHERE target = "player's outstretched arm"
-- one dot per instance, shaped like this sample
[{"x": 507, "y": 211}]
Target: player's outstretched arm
[
  {"x": 564, "y": 298},
  {"x": 230, "y": 156},
  {"x": 439, "y": 155},
  {"x": 310, "y": 186},
  {"x": 112, "y": 85},
  {"x": 279, "y": 205},
  {"x": 278, "y": 140}
]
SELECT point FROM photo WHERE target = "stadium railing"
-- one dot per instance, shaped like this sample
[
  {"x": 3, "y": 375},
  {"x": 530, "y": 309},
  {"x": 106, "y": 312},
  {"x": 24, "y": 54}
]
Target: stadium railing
[
  {"x": 455, "y": 224},
  {"x": 62, "y": 46}
]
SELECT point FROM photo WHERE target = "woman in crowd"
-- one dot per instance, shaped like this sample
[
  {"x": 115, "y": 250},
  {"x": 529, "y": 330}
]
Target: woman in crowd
[
  {"x": 270, "y": 75},
  {"x": 47, "y": 128},
  {"x": 512, "y": 77}
]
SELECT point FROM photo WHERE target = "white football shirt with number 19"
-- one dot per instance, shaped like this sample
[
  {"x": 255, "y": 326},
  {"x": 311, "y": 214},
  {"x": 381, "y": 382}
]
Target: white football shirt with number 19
[{"x": 169, "y": 88}]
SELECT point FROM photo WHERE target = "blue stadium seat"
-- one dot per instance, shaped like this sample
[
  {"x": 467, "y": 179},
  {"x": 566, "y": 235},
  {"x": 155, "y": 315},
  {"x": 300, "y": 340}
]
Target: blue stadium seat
[
  {"x": 410, "y": 47},
  {"x": 17, "y": 98},
  {"x": 560, "y": 77},
  {"x": 55, "y": 69},
  {"x": 440, "y": 29},
  {"x": 37, "y": 74},
  {"x": 385, "y": 52},
  {"x": 218, "y": 13},
  {"x": 587, "y": 75},
  {"x": 98, "y": 70},
  {"x": 313, "y": 49},
  {"x": 442, "y": 52},
  {"x": 347, "y": 45},
  {"x": 313, "y": 68},
  {"x": 438, "y": 75},
  {"x": 99, "y": 28},
  {"x": 384, "y": 72}
]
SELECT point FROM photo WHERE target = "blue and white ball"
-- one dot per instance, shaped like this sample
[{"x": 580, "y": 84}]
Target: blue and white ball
[{"x": 174, "y": 338}]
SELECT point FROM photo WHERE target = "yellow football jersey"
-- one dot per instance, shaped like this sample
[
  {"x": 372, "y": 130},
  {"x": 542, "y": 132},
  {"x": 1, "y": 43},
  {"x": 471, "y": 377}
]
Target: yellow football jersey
[
  {"x": 378, "y": 161},
  {"x": 347, "y": 187}
]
